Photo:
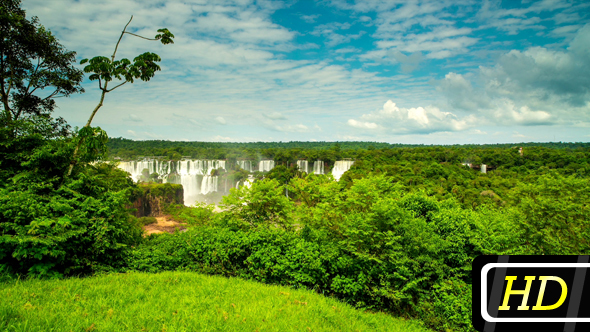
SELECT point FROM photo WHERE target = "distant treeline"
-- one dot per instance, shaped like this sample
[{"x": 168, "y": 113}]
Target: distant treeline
[{"x": 288, "y": 152}]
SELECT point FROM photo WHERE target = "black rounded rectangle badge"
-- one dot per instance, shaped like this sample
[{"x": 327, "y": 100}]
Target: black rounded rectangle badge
[{"x": 549, "y": 293}]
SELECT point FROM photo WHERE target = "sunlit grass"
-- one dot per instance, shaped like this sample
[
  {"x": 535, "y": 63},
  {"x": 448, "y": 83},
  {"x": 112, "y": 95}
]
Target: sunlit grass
[{"x": 178, "y": 301}]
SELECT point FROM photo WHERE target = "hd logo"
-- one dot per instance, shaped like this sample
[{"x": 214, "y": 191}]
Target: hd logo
[{"x": 521, "y": 293}]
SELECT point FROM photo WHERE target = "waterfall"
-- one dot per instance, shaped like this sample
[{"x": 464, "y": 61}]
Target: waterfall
[
  {"x": 266, "y": 165},
  {"x": 303, "y": 165},
  {"x": 245, "y": 165},
  {"x": 340, "y": 167},
  {"x": 187, "y": 182},
  {"x": 248, "y": 182},
  {"x": 209, "y": 184},
  {"x": 318, "y": 167},
  {"x": 193, "y": 174}
]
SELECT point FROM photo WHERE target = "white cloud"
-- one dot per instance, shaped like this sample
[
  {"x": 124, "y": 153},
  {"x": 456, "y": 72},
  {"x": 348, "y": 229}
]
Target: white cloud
[
  {"x": 274, "y": 116},
  {"x": 408, "y": 62},
  {"x": 536, "y": 86},
  {"x": 364, "y": 125},
  {"x": 394, "y": 119},
  {"x": 132, "y": 133},
  {"x": 347, "y": 50},
  {"x": 525, "y": 116},
  {"x": 298, "y": 128},
  {"x": 233, "y": 55},
  {"x": 333, "y": 38},
  {"x": 220, "y": 138},
  {"x": 310, "y": 18},
  {"x": 421, "y": 26},
  {"x": 195, "y": 122},
  {"x": 514, "y": 20},
  {"x": 220, "y": 120}
]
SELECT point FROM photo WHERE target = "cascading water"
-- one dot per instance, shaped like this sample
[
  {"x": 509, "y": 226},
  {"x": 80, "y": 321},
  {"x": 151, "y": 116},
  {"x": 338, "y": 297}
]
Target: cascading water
[
  {"x": 266, "y": 165},
  {"x": 194, "y": 175},
  {"x": 248, "y": 182},
  {"x": 209, "y": 184},
  {"x": 245, "y": 165},
  {"x": 303, "y": 165},
  {"x": 340, "y": 167},
  {"x": 318, "y": 167},
  {"x": 135, "y": 168}
]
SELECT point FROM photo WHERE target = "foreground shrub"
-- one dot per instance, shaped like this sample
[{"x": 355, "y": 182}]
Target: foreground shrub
[
  {"x": 371, "y": 246},
  {"x": 53, "y": 226}
]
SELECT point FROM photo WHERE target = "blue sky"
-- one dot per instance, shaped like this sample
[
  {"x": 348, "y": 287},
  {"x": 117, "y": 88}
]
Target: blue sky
[{"x": 425, "y": 72}]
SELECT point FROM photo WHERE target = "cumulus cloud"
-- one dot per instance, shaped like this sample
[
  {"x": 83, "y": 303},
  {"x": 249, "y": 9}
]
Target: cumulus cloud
[
  {"x": 536, "y": 86},
  {"x": 220, "y": 120},
  {"x": 394, "y": 119},
  {"x": 360, "y": 124}
]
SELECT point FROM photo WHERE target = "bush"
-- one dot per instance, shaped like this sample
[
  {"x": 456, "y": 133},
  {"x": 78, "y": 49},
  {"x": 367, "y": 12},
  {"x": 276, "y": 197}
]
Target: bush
[
  {"x": 199, "y": 214},
  {"x": 147, "y": 220},
  {"x": 52, "y": 226},
  {"x": 370, "y": 245}
]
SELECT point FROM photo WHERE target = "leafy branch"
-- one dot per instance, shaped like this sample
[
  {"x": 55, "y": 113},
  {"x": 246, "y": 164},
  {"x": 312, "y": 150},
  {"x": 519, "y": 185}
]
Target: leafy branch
[{"x": 103, "y": 69}]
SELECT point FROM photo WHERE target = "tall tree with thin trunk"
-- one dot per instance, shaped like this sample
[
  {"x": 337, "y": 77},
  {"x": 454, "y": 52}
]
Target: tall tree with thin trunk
[{"x": 104, "y": 70}]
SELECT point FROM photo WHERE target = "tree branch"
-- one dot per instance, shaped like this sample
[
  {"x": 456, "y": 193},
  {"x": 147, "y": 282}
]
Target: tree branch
[
  {"x": 32, "y": 75},
  {"x": 51, "y": 95},
  {"x": 116, "y": 86},
  {"x": 74, "y": 161},
  {"x": 33, "y": 90},
  {"x": 4, "y": 96},
  {"x": 11, "y": 80},
  {"x": 122, "y": 33},
  {"x": 140, "y": 36},
  {"x": 104, "y": 92}
]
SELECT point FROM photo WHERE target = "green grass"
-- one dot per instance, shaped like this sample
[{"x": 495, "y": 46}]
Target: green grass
[{"x": 178, "y": 301}]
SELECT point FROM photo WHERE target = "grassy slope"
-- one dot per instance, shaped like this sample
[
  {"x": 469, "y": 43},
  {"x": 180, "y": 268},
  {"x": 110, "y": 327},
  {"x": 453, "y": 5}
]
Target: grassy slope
[{"x": 178, "y": 301}]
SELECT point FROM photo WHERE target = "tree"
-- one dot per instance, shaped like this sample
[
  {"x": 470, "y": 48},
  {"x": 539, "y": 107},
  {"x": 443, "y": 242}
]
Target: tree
[
  {"x": 104, "y": 70},
  {"x": 34, "y": 70},
  {"x": 51, "y": 225}
]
